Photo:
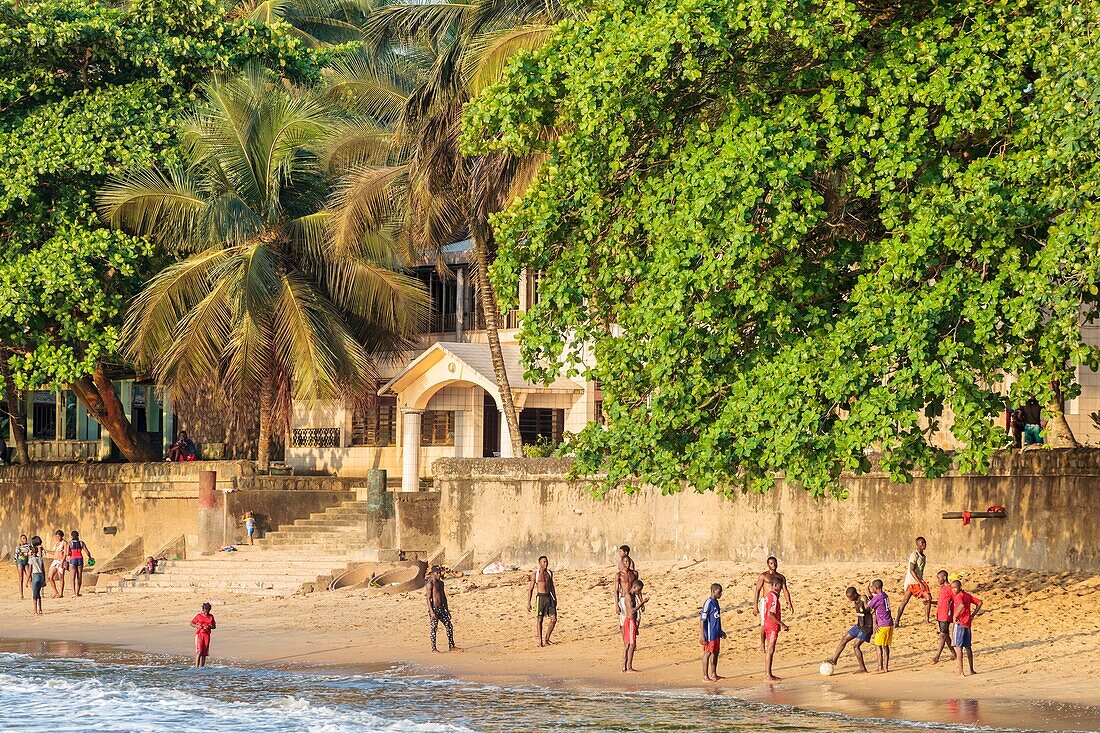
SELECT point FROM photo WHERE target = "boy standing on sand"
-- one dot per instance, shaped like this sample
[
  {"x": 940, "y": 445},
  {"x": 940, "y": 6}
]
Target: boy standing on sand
[
  {"x": 945, "y": 606},
  {"x": 22, "y": 557},
  {"x": 36, "y": 565},
  {"x": 632, "y": 603},
  {"x": 763, "y": 584},
  {"x": 915, "y": 584},
  {"x": 438, "y": 610},
  {"x": 963, "y": 618},
  {"x": 59, "y": 564},
  {"x": 542, "y": 582},
  {"x": 879, "y": 602},
  {"x": 860, "y": 633},
  {"x": 773, "y": 621},
  {"x": 710, "y": 633},
  {"x": 204, "y": 623}
]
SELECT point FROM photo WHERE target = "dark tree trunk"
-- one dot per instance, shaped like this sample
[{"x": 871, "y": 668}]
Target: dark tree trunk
[
  {"x": 97, "y": 394},
  {"x": 481, "y": 234},
  {"x": 15, "y": 412},
  {"x": 263, "y": 450}
]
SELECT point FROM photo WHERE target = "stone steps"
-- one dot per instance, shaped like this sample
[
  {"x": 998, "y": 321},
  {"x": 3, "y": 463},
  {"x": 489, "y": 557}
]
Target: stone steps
[{"x": 300, "y": 556}]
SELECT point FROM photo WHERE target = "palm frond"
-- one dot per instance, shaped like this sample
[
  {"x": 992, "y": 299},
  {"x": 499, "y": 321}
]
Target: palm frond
[
  {"x": 167, "y": 206},
  {"x": 487, "y": 55},
  {"x": 366, "y": 200}
]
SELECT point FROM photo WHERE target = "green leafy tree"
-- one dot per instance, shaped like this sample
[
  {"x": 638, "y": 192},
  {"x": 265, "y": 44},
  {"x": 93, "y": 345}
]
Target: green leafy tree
[
  {"x": 88, "y": 89},
  {"x": 264, "y": 306},
  {"x": 403, "y": 170},
  {"x": 790, "y": 232}
]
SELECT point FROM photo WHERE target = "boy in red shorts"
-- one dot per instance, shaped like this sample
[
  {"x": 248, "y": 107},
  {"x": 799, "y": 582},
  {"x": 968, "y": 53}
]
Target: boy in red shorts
[
  {"x": 204, "y": 623},
  {"x": 633, "y": 603},
  {"x": 945, "y": 605},
  {"x": 773, "y": 622},
  {"x": 711, "y": 634},
  {"x": 963, "y": 618}
]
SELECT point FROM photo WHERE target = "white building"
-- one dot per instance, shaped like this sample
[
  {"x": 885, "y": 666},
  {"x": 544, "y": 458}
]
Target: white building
[{"x": 442, "y": 399}]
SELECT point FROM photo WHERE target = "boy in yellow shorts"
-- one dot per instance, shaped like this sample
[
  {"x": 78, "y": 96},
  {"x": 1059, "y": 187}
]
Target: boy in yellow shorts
[{"x": 879, "y": 602}]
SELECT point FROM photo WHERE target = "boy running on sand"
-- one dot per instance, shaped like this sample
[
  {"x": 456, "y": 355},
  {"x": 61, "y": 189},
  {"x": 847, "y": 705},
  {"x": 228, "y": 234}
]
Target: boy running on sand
[
  {"x": 773, "y": 621},
  {"x": 945, "y": 606},
  {"x": 879, "y": 602},
  {"x": 915, "y": 584},
  {"x": 204, "y": 623},
  {"x": 963, "y": 618},
  {"x": 710, "y": 633},
  {"x": 542, "y": 582},
  {"x": 633, "y": 603},
  {"x": 860, "y": 633}
]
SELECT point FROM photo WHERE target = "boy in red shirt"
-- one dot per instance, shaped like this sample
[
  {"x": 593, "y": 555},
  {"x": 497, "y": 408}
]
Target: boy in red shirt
[
  {"x": 772, "y": 623},
  {"x": 204, "y": 623},
  {"x": 945, "y": 605},
  {"x": 963, "y": 617}
]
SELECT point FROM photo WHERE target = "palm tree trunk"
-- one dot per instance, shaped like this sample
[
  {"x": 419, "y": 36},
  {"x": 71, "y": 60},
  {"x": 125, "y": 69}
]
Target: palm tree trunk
[
  {"x": 97, "y": 393},
  {"x": 480, "y": 233},
  {"x": 15, "y": 413},
  {"x": 1058, "y": 432},
  {"x": 263, "y": 449}
]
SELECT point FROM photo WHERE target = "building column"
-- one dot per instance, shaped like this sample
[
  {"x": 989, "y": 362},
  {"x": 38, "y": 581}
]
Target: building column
[
  {"x": 167, "y": 424},
  {"x": 505, "y": 437},
  {"x": 460, "y": 301},
  {"x": 410, "y": 448}
]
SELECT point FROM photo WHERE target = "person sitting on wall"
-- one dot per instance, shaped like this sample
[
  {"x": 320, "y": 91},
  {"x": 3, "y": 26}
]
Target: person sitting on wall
[
  {"x": 1030, "y": 417},
  {"x": 183, "y": 449}
]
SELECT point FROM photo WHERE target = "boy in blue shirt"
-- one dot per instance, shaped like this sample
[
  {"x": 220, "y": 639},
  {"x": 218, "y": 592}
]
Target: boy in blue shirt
[{"x": 711, "y": 634}]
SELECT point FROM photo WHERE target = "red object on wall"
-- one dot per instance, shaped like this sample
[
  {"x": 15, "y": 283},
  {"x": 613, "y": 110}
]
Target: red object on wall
[
  {"x": 208, "y": 490},
  {"x": 966, "y": 518}
]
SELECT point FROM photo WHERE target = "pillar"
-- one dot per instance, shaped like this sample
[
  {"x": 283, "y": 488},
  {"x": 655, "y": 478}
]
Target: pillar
[
  {"x": 460, "y": 301},
  {"x": 167, "y": 424},
  {"x": 211, "y": 513},
  {"x": 410, "y": 449},
  {"x": 505, "y": 437}
]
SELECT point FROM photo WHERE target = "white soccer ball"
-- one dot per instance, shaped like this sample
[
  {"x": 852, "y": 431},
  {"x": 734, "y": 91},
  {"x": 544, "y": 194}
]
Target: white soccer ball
[{"x": 826, "y": 669}]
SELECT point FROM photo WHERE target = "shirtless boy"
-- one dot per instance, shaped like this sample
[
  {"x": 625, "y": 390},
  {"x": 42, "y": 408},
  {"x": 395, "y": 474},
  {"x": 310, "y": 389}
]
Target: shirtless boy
[
  {"x": 437, "y": 607},
  {"x": 625, "y": 575},
  {"x": 542, "y": 583},
  {"x": 915, "y": 584},
  {"x": 860, "y": 632},
  {"x": 773, "y": 622},
  {"x": 59, "y": 564},
  {"x": 763, "y": 585},
  {"x": 633, "y": 603}
]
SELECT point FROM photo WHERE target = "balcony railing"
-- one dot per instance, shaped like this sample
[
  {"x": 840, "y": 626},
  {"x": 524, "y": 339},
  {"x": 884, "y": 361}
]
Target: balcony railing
[{"x": 315, "y": 438}]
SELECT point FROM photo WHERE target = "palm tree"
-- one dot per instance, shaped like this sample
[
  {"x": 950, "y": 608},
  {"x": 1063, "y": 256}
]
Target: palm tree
[
  {"x": 422, "y": 189},
  {"x": 263, "y": 305}
]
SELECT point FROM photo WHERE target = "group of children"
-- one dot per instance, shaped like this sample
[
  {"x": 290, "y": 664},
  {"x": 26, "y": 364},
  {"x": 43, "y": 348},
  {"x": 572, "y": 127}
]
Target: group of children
[
  {"x": 32, "y": 572},
  {"x": 874, "y": 621}
]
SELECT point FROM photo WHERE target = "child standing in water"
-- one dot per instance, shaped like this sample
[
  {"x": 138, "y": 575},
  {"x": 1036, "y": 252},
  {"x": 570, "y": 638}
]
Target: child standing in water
[
  {"x": 37, "y": 566},
  {"x": 204, "y": 623}
]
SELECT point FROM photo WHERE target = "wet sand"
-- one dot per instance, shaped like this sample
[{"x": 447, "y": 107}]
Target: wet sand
[{"x": 1037, "y": 649}]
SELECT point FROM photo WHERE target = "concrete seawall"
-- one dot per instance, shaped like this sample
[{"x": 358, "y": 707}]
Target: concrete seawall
[
  {"x": 524, "y": 508},
  {"x": 155, "y": 501}
]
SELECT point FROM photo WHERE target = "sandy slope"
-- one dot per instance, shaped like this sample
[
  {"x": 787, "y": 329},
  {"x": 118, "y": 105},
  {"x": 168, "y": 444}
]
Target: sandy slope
[{"x": 1037, "y": 639}]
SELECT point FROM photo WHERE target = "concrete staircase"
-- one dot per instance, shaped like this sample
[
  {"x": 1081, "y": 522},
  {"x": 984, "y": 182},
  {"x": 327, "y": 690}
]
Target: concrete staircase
[{"x": 299, "y": 557}]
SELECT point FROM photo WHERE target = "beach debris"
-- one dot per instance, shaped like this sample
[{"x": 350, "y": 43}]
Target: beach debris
[
  {"x": 228, "y": 548},
  {"x": 496, "y": 567}
]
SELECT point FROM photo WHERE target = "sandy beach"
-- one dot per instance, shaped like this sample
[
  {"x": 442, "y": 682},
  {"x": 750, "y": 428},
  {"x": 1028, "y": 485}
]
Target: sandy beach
[{"x": 1037, "y": 650}]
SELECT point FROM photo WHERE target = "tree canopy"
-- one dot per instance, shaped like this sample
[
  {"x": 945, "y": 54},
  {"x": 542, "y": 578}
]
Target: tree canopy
[
  {"x": 791, "y": 231},
  {"x": 88, "y": 89}
]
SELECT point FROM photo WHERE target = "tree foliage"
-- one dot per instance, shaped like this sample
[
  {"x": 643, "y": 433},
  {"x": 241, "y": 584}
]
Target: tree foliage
[
  {"x": 88, "y": 89},
  {"x": 790, "y": 231}
]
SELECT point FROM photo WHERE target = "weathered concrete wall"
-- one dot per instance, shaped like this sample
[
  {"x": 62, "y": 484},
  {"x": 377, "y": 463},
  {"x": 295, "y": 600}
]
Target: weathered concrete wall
[
  {"x": 525, "y": 508},
  {"x": 155, "y": 501},
  {"x": 417, "y": 519}
]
